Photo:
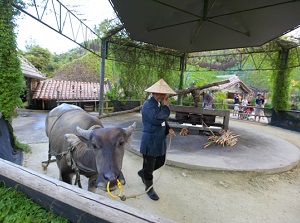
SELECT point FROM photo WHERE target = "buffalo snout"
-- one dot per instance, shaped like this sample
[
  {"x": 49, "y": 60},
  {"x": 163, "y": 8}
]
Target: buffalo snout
[{"x": 103, "y": 180}]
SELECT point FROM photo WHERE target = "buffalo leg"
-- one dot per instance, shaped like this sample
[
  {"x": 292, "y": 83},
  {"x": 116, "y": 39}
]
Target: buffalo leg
[
  {"x": 92, "y": 183},
  {"x": 67, "y": 177},
  {"x": 65, "y": 172}
]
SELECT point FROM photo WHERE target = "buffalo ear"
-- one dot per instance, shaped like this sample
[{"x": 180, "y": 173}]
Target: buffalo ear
[
  {"x": 129, "y": 130},
  {"x": 72, "y": 139}
]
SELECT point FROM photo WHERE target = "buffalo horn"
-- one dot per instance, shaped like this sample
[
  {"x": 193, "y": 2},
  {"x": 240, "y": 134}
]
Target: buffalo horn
[
  {"x": 84, "y": 133},
  {"x": 129, "y": 130}
]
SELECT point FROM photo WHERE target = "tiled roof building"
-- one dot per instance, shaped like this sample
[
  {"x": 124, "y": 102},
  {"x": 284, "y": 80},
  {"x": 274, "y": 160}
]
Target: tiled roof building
[
  {"x": 67, "y": 90},
  {"x": 49, "y": 91}
]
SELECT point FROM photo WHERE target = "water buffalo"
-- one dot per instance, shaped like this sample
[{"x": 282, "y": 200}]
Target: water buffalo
[{"x": 97, "y": 151}]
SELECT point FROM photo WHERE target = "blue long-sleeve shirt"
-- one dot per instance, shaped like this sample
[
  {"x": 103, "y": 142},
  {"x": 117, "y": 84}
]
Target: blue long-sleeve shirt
[{"x": 153, "y": 141}]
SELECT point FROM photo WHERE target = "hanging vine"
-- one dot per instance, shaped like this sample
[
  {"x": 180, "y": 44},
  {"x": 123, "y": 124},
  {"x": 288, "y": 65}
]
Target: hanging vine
[
  {"x": 11, "y": 77},
  {"x": 138, "y": 68},
  {"x": 281, "y": 82}
]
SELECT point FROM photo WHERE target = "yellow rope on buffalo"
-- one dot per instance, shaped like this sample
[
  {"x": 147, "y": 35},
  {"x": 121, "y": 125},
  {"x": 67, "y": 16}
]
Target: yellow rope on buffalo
[{"x": 119, "y": 186}]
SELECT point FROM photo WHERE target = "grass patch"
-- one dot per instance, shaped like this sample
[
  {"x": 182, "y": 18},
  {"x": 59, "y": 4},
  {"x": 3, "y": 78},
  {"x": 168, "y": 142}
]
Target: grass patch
[
  {"x": 16, "y": 144},
  {"x": 16, "y": 207},
  {"x": 26, "y": 148}
]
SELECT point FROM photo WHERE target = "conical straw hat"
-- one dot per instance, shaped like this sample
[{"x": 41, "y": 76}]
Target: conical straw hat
[{"x": 160, "y": 87}]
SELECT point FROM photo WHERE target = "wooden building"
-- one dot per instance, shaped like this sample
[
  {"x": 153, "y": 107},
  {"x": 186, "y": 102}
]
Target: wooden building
[
  {"x": 32, "y": 77},
  {"x": 46, "y": 93},
  {"x": 235, "y": 85}
]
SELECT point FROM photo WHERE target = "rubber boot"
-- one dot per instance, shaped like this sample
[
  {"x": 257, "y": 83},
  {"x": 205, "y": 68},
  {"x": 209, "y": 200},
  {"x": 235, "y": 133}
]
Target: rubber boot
[
  {"x": 141, "y": 174},
  {"x": 151, "y": 193}
]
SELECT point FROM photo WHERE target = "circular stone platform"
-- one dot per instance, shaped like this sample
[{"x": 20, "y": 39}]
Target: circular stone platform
[{"x": 255, "y": 150}]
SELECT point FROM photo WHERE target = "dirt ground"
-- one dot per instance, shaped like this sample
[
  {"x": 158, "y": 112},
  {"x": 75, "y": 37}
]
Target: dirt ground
[{"x": 206, "y": 196}]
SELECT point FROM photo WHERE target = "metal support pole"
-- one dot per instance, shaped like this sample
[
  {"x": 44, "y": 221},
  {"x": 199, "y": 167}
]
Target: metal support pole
[
  {"x": 182, "y": 69},
  {"x": 102, "y": 71},
  {"x": 102, "y": 65}
]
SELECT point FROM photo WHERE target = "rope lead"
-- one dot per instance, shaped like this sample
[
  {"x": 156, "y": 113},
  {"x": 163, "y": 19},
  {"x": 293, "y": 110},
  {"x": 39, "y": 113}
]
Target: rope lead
[{"x": 124, "y": 197}]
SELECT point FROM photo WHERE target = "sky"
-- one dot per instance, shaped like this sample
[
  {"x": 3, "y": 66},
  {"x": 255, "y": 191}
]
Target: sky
[{"x": 94, "y": 11}]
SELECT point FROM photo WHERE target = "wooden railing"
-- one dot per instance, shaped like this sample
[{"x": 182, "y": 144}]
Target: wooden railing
[{"x": 108, "y": 105}]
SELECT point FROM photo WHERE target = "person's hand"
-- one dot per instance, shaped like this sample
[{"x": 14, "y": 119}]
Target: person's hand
[
  {"x": 166, "y": 101},
  {"x": 171, "y": 133}
]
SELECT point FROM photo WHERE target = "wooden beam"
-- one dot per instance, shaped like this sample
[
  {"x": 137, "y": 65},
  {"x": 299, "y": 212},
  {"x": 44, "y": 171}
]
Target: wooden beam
[
  {"x": 189, "y": 90},
  {"x": 120, "y": 112},
  {"x": 69, "y": 201}
]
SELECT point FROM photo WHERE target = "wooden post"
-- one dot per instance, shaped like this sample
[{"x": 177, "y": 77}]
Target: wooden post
[
  {"x": 106, "y": 104},
  {"x": 182, "y": 69},
  {"x": 57, "y": 97}
]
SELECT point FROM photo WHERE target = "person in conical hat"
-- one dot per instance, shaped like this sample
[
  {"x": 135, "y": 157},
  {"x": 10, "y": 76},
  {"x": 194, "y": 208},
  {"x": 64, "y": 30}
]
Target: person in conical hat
[
  {"x": 160, "y": 87},
  {"x": 155, "y": 112}
]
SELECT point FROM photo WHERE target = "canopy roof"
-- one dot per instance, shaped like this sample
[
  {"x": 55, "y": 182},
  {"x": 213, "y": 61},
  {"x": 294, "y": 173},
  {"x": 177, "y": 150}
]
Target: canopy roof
[{"x": 205, "y": 25}]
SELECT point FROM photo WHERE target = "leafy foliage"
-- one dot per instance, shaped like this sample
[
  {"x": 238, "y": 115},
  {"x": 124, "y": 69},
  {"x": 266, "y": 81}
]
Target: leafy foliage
[
  {"x": 219, "y": 100},
  {"x": 225, "y": 62},
  {"x": 141, "y": 68},
  {"x": 39, "y": 57},
  {"x": 85, "y": 68},
  {"x": 11, "y": 78},
  {"x": 257, "y": 79},
  {"x": 49, "y": 63},
  {"x": 16, "y": 207},
  {"x": 281, "y": 83},
  {"x": 198, "y": 78}
]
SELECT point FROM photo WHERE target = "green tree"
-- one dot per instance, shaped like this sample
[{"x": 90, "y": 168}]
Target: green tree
[
  {"x": 257, "y": 79},
  {"x": 103, "y": 27},
  {"x": 40, "y": 58},
  {"x": 199, "y": 77},
  {"x": 11, "y": 77},
  {"x": 219, "y": 100}
]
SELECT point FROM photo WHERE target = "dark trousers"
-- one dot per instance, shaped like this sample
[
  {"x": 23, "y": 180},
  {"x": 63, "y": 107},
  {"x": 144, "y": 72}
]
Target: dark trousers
[{"x": 150, "y": 164}]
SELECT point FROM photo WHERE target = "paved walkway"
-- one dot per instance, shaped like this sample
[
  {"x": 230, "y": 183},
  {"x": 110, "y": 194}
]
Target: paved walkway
[{"x": 259, "y": 148}]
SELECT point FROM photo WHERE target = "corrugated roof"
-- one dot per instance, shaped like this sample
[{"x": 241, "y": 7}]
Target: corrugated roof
[
  {"x": 29, "y": 70},
  {"x": 68, "y": 90},
  {"x": 234, "y": 80}
]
